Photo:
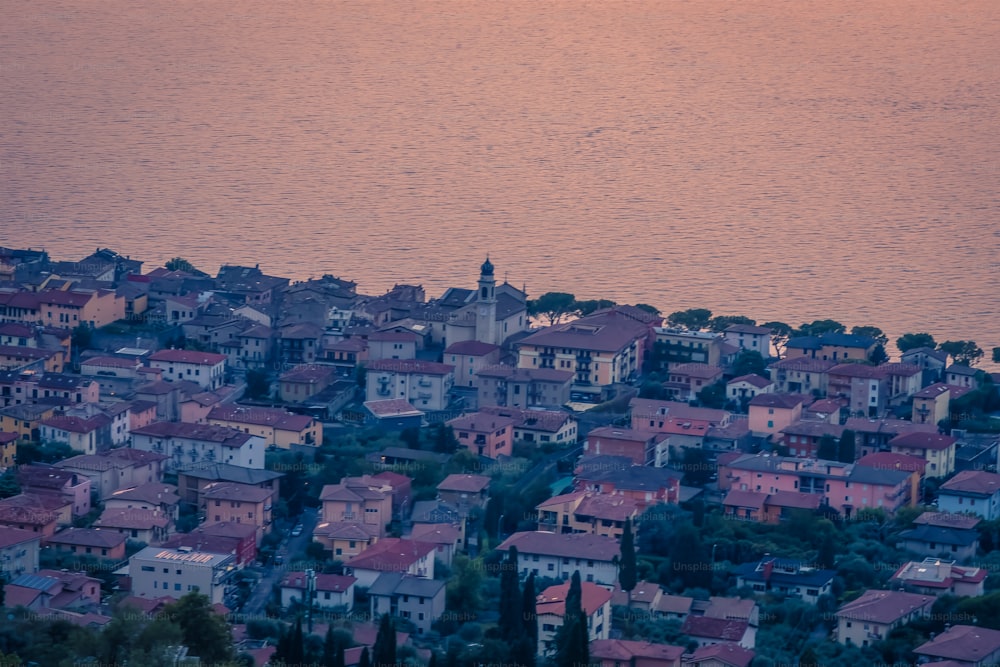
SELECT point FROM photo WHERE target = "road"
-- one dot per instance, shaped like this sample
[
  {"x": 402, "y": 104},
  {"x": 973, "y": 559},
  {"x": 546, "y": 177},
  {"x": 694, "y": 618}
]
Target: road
[{"x": 272, "y": 574}]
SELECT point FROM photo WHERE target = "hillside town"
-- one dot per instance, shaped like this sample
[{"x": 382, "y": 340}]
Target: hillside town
[{"x": 246, "y": 469}]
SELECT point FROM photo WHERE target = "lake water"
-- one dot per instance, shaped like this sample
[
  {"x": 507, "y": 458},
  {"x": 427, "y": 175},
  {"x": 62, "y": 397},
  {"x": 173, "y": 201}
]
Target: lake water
[{"x": 776, "y": 158}]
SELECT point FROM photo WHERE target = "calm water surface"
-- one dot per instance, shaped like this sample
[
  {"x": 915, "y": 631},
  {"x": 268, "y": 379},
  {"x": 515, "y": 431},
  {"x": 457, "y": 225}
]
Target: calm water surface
[{"x": 783, "y": 159}]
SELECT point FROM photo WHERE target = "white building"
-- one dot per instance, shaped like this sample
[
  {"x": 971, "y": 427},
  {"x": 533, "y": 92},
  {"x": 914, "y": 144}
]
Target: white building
[
  {"x": 424, "y": 384},
  {"x": 551, "y": 609},
  {"x": 18, "y": 552},
  {"x": 156, "y": 572},
  {"x": 331, "y": 592},
  {"x": 204, "y": 368},
  {"x": 185, "y": 444},
  {"x": 749, "y": 337},
  {"x": 975, "y": 491},
  {"x": 417, "y": 599},
  {"x": 558, "y": 556}
]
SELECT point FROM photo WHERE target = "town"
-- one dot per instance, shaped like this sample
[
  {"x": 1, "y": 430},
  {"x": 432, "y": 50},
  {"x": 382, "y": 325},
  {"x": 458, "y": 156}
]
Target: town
[{"x": 244, "y": 469}]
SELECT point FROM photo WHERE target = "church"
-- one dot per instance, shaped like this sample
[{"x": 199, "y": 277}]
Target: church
[{"x": 490, "y": 314}]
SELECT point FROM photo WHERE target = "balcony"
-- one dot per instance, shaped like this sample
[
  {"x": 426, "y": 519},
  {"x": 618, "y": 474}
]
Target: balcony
[{"x": 424, "y": 382}]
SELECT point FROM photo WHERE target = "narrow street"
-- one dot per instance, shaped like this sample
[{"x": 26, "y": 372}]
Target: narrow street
[{"x": 272, "y": 574}]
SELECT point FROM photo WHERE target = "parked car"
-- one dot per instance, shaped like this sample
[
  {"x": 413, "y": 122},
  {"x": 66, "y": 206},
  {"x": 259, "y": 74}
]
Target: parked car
[{"x": 297, "y": 530}]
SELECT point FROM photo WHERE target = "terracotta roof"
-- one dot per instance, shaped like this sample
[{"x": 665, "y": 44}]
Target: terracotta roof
[
  {"x": 746, "y": 328},
  {"x": 111, "y": 362},
  {"x": 392, "y": 407},
  {"x": 471, "y": 348},
  {"x": 813, "y": 429},
  {"x": 394, "y": 336},
  {"x": 436, "y": 533},
  {"x": 512, "y": 374},
  {"x": 929, "y": 441},
  {"x": 610, "y": 507},
  {"x": 722, "y": 629},
  {"x": 695, "y": 370},
  {"x": 550, "y": 421},
  {"x": 346, "y": 530},
  {"x": 624, "y": 650},
  {"x": 227, "y": 437},
  {"x": 11, "y": 536},
  {"x": 959, "y": 369},
  {"x": 553, "y": 599},
  {"x": 188, "y": 357},
  {"x": 784, "y": 401},
  {"x": 648, "y": 408},
  {"x": 234, "y": 491},
  {"x": 88, "y": 537},
  {"x": 391, "y": 554},
  {"x": 858, "y": 371},
  {"x": 480, "y": 421},
  {"x": 608, "y": 331},
  {"x": 307, "y": 373},
  {"x": 884, "y": 606},
  {"x": 749, "y": 499},
  {"x": 334, "y": 583},
  {"x": 804, "y": 364},
  {"x": 756, "y": 380},
  {"x": 973, "y": 482},
  {"x": 795, "y": 500},
  {"x": 948, "y": 520},
  {"x": 674, "y": 604},
  {"x": 892, "y": 461},
  {"x": 575, "y": 545},
  {"x": 132, "y": 519},
  {"x": 76, "y": 424},
  {"x": 965, "y": 643},
  {"x": 155, "y": 493},
  {"x": 729, "y": 654},
  {"x": 464, "y": 483},
  {"x": 410, "y": 366},
  {"x": 273, "y": 417}
]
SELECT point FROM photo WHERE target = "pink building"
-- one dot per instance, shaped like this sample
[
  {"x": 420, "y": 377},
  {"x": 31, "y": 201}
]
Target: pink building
[
  {"x": 770, "y": 413},
  {"x": 485, "y": 434},
  {"x": 640, "y": 446}
]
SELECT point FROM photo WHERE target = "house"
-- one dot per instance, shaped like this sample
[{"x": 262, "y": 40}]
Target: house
[
  {"x": 767, "y": 507},
  {"x": 871, "y": 617},
  {"x": 831, "y": 347},
  {"x": 184, "y": 443},
  {"x": 331, "y": 592},
  {"x": 64, "y": 485},
  {"x": 206, "y": 369},
  {"x": 652, "y": 415},
  {"x": 464, "y": 491},
  {"x": 147, "y": 496},
  {"x": 366, "y": 500},
  {"x": 903, "y": 381},
  {"x": 82, "y": 435},
  {"x": 402, "y": 492},
  {"x": 973, "y": 491},
  {"x": 252, "y": 348},
  {"x": 745, "y": 387},
  {"x": 643, "y": 597},
  {"x": 557, "y": 556},
  {"x": 392, "y": 554},
  {"x": 707, "y": 630},
  {"x": 303, "y": 382},
  {"x": 802, "y": 437},
  {"x": 485, "y": 434},
  {"x": 931, "y": 361},
  {"x": 550, "y": 608},
  {"x": 936, "y": 577},
  {"x": 915, "y": 466},
  {"x": 71, "y": 308},
  {"x": 787, "y": 577},
  {"x": 932, "y": 404},
  {"x": 277, "y": 427},
  {"x": 40, "y": 514},
  {"x": 116, "y": 468},
  {"x": 873, "y": 435},
  {"x": 224, "y": 537},
  {"x": 941, "y": 533},
  {"x": 769, "y": 413},
  {"x": 25, "y": 420},
  {"x": 193, "y": 478},
  {"x": 959, "y": 375},
  {"x": 642, "y": 447},
  {"x": 249, "y": 285},
  {"x": 344, "y": 355},
  {"x": 142, "y": 525},
  {"x": 469, "y": 357},
  {"x": 107, "y": 544},
  {"x": 587, "y": 512},
  {"x": 620, "y": 475},
  {"x": 938, "y": 450},
  {"x": 446, "y": 537},
  {"x": 541, "y": 426},
  {"x": 57, "y": 590},
  {"x": 863, "y": 387},
  {"x": 685, "y": 380},
  {"x": 345, "y": 539},
  {"x": 19, "y": 550},
  {"x": 601, "y": 349},
  {"x": 23, "y": 358},
  {"x": 156, "y": 572},
  {"x": 618, "y": 652},
  {"x": 490, "y": 313},
  {"x": 801, "y": 375},
  {"x": 416, "y": 599},
  {"x": 823, "y": 410},
  {"x": 425, "y": 384},
  {"x": 8, "y": 450},
  {"x": 393, "y": 414},
  {"x": 681, "y": 346},
  {"x": 962, "y": 646},
  {"x": 725, "y": 654},
  {"x": 396, "y": 343},
  {"x": 507, "y": 386},
  {"x": 238, "y": 503},
  {"x": 749, "y": 337}
]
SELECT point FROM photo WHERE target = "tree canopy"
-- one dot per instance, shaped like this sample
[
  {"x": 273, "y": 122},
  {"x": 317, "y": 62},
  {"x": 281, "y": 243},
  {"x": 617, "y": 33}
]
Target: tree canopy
[
  {"x": 820, "y": 327},
  {"x": 964, "y": 352},
  {"x": 693, "y": 319},
  {"x": 722, "y": 322},
  {"x": 911, "y": 341},
  {"x": 874, "y": 333},
  {"x": 780, "y": 333},
  {"x": 554, "y": 306}
]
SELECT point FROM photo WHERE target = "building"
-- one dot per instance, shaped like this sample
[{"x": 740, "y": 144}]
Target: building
[
  {"x": 507, "y": 386},
  {"x": 652, "y": 415},
  {"x": 684, "y": 381},
  {"x": 106, "y": 544},
  {"x": 193, "y": 478},
  {"x": 770, "y": 413},
  {"x": 186, "y": 444},
  {"x": 681, "y": 346},
  {"x": 726, "y": 654},
  {"x": 425, "y": 384},
  {"x": 587, "y": 512},
  {"x": 958, "y": 375},
  {"x": 831, "y": 347},
  {"x": 116, "y": 468},
  {"x": 618, "y": 652},
  {"x": 749, "y": 337},
  {"x": 557, "y": 556},
  {"x": 19, "y": 551},
  {"x": 8, "y": 450},
  {"x": 962, "y": 646},
  {"x": 392, "y": 554},
  {"x": 801, "y": 375},
  {"x": 277, "y": 427},
  {"x": 937, "y": 450},
  {"x": 601, "y": 349},
  {"x": 538, "y": 426},
  {"x": 331, "y": 592},
  {"x": 64, "y": 485},
  {"x": 619, "y": 475},
  {"x": 802, "y": 437},
  {"x": 863, "y": 387},
  {"x": 304, "y": 382},
  {"x": 207, "y": 369},
  {"x": 238, "y": 503},
  {"x": 932, "y": 404},
  {"x": 239, "y": 539},
  {"x": 788, "y": 577},
  {"x": 143, "y": 525},
  {"x": 416, "y": 599},
  {"x": 365, "y": 500},
  {"x": 871, "y": 617},
  {"x": 767, "y": 507},
  {"x": 485, "y": 434},
  {"x": 973, "y": 491},
  {"x": 464, "y": 492},
  {"x": 745, "y": 387},
  {"x": 642, "y": 447},
  {"x": 940, "y": 534},
  {"x": 936, "y": 577},
  {"x": 40, "y": 514},
  {"x": 708, "y": 630},
  {"x": 158, "y": 572},
  {"x": 551, "y": 611},
  {"x": 393, "y": 414},
  {"x": 85, "y": 435},
  {"x": 394, "y": 343},
  {"x": 469, "y": 357}
]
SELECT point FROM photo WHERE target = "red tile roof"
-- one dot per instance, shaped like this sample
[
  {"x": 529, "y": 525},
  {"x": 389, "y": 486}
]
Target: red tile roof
[
  {"x": 410, "y": 366},
  {"x": 480, "y": 421},
  {"x": 464, "y": 483},
  {"x": 884, "y": 606},
  {"x": 88, "y": 537},
  {"x": 471, "y": 348},
  {"x": 604, "y": 331},
  {"x": 392, "y": 407},
  {"x": 756, "y": 380},
  {"x": 553, "y": 599},
  {"x": 188, "y": 357},
  {"x": 965, "y": 643},
  {"x": 227, "y": 437},
  {"x": 785, "y": 401},
  {"x": 929, "y": 441},
  {"x": 976, "y": 482},
  {"x": 11, "y": 536},
  {"x": 722, "y": 629},
  {"x": 892, "y": 461},
  {"x": 273, "y": 417},
  {"x": 391, "y": 554},
  {"x": 575, "y": 545},
  {"x": 729, "y": 654}
]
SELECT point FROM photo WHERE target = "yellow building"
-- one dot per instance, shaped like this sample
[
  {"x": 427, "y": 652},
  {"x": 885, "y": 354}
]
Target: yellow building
[
  {"x": 937, "y": 450},
  {"x": 8, "y": 449},
  {"x": 25, "y": 420},
  {"x": 277, "y": 427},
  {"x": 587, "y": 512},
  {"x": 238, "y": 503}
]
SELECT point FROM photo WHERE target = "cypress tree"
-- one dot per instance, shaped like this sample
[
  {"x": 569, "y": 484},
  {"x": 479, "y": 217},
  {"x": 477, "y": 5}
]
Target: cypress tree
[
  {"x": 627, "y": 569},
  {"x": 329, "y": 648},
  {"x": 364, "y": 660},
  {"x": 384, "y": 651},
  {"x": 529, "y": 616},
  {"x": 297, "y": 649},
  {"x": 568, "y": 650},
  {"x": 339, "y": 659},
  {"x": 510, "y": 624},
  {"x": 845, "y": 448}
]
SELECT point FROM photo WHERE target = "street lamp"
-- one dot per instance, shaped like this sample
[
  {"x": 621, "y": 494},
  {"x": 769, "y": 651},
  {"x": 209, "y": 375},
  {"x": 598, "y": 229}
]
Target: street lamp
[{"x": 499, "y": 524}]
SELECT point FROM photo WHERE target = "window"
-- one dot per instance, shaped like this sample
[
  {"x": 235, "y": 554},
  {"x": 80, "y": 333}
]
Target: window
[{"x": 148, "y": 568}]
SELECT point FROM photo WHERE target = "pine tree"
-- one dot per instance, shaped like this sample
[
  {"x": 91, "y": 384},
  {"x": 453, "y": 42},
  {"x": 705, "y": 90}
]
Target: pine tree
[
  {"x": 384, "y": 651},
  {"x": 510, "y": 622},
  {"x": 627, "y": 569},
  {"x": 529, "y": 616},
  {"x": 365, "y": 660}
]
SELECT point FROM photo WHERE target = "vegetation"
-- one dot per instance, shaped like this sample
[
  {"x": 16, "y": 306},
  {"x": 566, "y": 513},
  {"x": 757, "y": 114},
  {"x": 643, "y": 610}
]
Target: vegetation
[
  {"x": 912, "y": 341},
  {"x": 964, "y": 352},
  {"x": 820, "y": 327},
  {"x": 693, "y": 319}
]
